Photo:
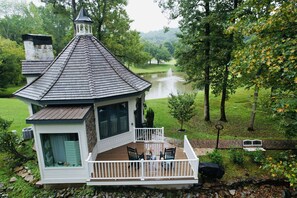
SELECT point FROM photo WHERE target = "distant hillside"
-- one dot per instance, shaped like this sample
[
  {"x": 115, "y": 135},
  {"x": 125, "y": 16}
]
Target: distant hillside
[{"x": 160, "y": 36}]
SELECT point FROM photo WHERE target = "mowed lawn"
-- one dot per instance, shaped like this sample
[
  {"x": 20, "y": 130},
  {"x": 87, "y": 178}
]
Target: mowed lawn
[
  {"x": 238, "y": 110},
  {"x": 14, "y": 110}
]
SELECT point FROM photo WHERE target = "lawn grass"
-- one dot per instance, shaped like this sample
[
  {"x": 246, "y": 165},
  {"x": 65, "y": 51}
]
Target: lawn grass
[
  {"x": 16, "y": 111},
  {"x": 238, "y": 109},
  {"x": 153, "y": 68}
]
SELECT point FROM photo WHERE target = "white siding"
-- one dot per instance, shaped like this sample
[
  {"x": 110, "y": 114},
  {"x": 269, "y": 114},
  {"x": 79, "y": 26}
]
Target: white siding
[{"x": 62, "y": 174}]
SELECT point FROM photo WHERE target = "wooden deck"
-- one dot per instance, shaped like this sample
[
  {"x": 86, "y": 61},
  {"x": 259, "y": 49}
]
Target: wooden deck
[
  {"x": 113, "y": 167},
  {"x": 120, "y": 153}
]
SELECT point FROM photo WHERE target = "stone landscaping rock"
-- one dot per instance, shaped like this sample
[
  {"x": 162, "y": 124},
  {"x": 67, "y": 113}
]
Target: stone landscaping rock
[
  {"x": 19, "y": 168},
  {"x": 24, "y": 174},
  {"x": 13, "y": 179},
  {"x": 29, "y": 178},
  {"x": 232, "y": 192}
]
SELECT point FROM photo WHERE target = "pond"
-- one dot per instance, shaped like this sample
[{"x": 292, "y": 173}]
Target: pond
[{"x": 163, "y": 84}]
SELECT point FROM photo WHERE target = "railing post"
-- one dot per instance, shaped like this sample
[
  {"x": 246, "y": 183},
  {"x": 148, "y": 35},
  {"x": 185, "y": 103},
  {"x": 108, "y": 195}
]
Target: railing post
[
  {"x": 162, "y": 134},
  {"x": 88, "y": 167},
  {"x": 142, "y": 170},
  {"x": 185, "y": 138},
  {"x": 134, "y": 134}
]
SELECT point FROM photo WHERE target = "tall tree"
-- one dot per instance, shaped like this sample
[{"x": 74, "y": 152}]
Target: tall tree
[
  {"x": 267, "y": 58},
  {"x": 11, "y": 55},
  {"x": 204, "y": 48},
  {"x": 21, "y": 19},
  {"x": 111, "y": 25},
  {"x": 56, "y": 25}
]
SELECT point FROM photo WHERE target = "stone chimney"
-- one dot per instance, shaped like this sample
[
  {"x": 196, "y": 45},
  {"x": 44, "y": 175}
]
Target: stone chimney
[
  {"x": 38, "y": 47},
  {"x": 39, "y": 54}
]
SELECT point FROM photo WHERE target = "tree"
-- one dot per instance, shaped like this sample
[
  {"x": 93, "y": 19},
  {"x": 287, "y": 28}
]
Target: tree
[
  {"x": 170, "y": 47},
  {"x": 22, "y": 19},
  {"x": 267, "y": 57},
  {"x": 111, "y": 25},
  {"x": 203, "y": 47},
  {"x": 181, "y": 107},
  {"x": 56, "y": 25},
  {"x": 162, "y": 54},
  {"x": 11, "y": 55},
  {"x": 151, "y": 49},
  {"x": 9, "y": 142}
]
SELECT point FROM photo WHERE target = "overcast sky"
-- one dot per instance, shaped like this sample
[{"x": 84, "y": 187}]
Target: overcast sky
[{"x": 146, "y": 15}]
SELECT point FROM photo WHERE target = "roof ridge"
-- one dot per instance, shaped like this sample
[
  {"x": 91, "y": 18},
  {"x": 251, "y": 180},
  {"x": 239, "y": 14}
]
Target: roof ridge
[
  {"x": 111, "y": 65},
  {"x": 90, "y": 73},
  {"x": 63, "y": 68}
]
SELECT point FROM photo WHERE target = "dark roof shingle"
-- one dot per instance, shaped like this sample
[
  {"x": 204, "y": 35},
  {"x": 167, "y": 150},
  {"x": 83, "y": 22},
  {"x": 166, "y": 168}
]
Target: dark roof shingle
[
  {"x": 34, "y": 67},
  {"x": 85, "y": 70}
]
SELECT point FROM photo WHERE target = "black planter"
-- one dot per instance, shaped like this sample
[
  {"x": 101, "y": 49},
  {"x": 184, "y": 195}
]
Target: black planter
[{"x": 182, "y": 130}]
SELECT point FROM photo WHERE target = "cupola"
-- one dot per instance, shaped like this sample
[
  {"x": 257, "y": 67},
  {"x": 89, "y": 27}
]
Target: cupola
[{"x": 83, "y": 23}]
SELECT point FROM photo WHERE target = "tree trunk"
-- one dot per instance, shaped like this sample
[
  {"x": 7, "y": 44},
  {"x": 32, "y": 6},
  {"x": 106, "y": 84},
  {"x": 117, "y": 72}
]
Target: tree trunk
[
  {"x": 207, "y": 66},
  {"x": 101, "y": 19},
  {"x": 254, "y": 109},
  {"x": 226, "y": 74},
  {"x": 74, "y": 12},
  {"x": 224, "y": 94}
]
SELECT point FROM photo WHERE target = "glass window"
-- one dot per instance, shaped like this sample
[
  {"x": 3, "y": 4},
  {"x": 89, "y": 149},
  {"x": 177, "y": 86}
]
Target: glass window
[
  {"x": 113, "y": 119},
  {"x": 61, "y": 149}
]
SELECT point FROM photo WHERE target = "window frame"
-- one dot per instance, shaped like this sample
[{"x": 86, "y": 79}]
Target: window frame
[
  {"x": 61, "y": 167},
  {"x": 113, "y": 113}
]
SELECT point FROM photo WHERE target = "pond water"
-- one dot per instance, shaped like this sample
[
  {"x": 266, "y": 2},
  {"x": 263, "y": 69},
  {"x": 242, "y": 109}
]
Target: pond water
[{"x": 163, "y": 84}]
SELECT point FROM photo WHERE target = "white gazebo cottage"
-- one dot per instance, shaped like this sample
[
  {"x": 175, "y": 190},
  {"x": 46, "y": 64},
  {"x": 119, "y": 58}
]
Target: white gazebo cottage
[{"x": 86, "y": 108}]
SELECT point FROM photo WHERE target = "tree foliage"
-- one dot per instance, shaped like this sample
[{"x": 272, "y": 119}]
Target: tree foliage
[
  {"x": 267, "y": 57},
  {"x": 204, "y": 50},
  {"x": 157, "y": 51},
  {"x": 181, "y": 107},
  {"x": 9, "y": 142},
  {"x": 111, "y": 25},
  {"x": 11, "y": 55},
  {"x": 285, "y": 166}
]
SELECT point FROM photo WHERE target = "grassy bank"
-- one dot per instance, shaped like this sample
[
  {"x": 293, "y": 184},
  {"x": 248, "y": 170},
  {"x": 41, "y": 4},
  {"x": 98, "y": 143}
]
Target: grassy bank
[
  {"x": 238, "y": 110},
  {"x": 16, "y": 111},
  {"x": 153, "y": 68}
]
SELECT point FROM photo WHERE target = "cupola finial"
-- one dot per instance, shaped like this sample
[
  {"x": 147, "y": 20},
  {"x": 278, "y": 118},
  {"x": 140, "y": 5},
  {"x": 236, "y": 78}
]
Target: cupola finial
[{"x": 83, "y": 23}]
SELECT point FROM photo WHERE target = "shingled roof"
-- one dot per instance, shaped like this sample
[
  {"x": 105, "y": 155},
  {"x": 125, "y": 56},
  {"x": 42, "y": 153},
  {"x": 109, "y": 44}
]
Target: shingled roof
[
  {"x": 34, "y": 67},
  {"x": 84, "y": 70}
]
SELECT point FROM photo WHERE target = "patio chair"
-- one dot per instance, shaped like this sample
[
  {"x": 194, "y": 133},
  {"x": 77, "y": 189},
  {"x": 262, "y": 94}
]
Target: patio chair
[
  {"x": 133, "y": 155},
  {"x": 169, "y": 154}
]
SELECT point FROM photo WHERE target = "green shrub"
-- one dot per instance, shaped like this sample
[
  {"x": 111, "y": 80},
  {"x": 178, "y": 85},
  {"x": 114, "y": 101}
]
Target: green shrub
[
  {"x": 216, "y": 157},
  {"x": 283, "y": 168},
  {"x": 257, "y": 156},
  {"x": 11, "y": 144},
  {"x": 237, "y": 156},
  {"x": 150, "y": 116}
]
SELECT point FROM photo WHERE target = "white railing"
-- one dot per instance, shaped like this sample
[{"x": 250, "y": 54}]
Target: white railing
[
  {"x": 149, "y": 134},
  {"x": 191, "y": 155},
  {"x": 146, "y": 169},
  {"x": 142, "y": 169}
]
